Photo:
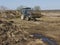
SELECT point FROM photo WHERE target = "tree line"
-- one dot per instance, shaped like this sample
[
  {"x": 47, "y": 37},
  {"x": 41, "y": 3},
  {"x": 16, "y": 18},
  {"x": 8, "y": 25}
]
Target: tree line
[
  {"x": 20, "y": 7},
  {"x": 37, "y": 8}
]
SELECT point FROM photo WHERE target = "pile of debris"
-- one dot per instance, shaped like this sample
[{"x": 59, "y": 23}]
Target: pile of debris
[
  {"x": 9, "y": 14},
  {"x": 11, "y": 34}
]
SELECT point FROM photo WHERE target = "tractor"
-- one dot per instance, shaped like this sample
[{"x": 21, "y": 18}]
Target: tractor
[{"x": 27, "y": 14}]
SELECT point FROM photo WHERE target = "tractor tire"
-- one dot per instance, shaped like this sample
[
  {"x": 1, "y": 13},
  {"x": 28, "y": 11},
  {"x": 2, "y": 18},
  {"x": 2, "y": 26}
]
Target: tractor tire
[
  {"x": 27, "y": 18},
  {"x": 34, "y": 19},
  {"x": 22, "y": 17}
]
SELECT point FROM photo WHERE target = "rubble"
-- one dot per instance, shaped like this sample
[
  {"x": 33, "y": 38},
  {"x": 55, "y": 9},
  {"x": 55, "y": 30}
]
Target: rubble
[
  {"x": 9, "y": 14},
  {"x": 11, "y": 34}
]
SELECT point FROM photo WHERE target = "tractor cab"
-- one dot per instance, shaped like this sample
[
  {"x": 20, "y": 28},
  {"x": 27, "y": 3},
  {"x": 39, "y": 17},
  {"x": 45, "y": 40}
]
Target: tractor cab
[{"x": 26, "y": 13}]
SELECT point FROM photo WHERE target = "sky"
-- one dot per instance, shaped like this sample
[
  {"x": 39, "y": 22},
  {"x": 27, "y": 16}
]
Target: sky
[{"x": 44, "y": 4}]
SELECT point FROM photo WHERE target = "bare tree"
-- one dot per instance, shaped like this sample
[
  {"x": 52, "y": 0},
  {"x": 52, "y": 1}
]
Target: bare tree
[
  {"x": 20, "y": 7},
  {"x": 37, "y": 8},
  {"x": 3, "y": 8}
]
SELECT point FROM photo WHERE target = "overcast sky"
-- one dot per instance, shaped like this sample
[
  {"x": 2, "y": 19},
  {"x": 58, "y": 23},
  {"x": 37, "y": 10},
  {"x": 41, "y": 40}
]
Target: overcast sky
[{"x": 44, "y": 4}]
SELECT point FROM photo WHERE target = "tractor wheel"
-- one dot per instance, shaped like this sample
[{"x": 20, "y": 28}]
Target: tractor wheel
[
  {"x": 34, "y": 19},
  {"x": 27, "y": 18},
  {"x": 22, "y": 17}
]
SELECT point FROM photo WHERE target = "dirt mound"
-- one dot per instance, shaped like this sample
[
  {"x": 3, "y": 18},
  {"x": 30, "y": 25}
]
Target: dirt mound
[
  {"x": 9, "y": 14},
  {"x": 11, "y": 34}
]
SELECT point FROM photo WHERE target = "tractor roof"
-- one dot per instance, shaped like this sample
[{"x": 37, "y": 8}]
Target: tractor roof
[{"x": 27, "y": 8}]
